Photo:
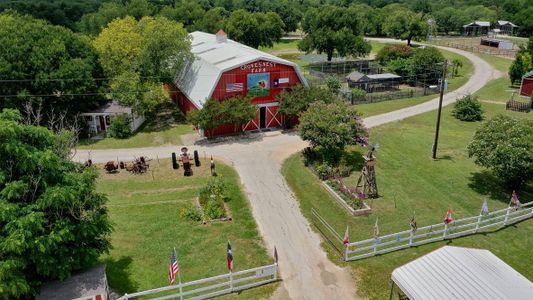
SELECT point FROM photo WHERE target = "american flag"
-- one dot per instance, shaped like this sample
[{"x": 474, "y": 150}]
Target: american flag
[
  {"x": 234, "y": 87},
  {"x": 514, "y": 200},
  {"x": 230, "y": 257},
  {"x": 449, "y": 217},
  {"x": 173, "y": 268}
]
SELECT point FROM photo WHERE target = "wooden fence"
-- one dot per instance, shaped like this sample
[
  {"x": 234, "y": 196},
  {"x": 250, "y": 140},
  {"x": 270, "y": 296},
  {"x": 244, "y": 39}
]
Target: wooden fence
[
  {"x": 436, "y": 232},
  {"x": 477, "y": 49},
  {"x": 518, "y": 106},
  {"x": 391, "y": 95},
  {"x": 213, "y": 286}
]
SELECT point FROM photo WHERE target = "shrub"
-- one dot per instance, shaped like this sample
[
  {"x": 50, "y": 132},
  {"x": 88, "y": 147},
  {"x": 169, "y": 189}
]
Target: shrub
[
  {"x": 120, "y": 127},
  {"x": 468, "y": 109},
  {"x": 392, "y": 52},
  {"x": 324, "y": 171},
  {"x": 333, "y": 84},
  {"x": 212, "y": 197},
  {"x": 358, "y": 94},
  {"x": 191, "y": 213}
]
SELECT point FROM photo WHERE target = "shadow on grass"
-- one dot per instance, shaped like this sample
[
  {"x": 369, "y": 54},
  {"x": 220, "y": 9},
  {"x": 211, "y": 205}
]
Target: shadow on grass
[
  {"x": 118, "y": 275},
  {"x": 354, "y": 159},
  {"x": 486, "y": 183}
]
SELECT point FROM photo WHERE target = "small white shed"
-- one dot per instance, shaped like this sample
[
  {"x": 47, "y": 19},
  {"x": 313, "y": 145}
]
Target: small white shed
[
  {"x": 460, "y": 273},
  {"x": 99, "y": 119}
]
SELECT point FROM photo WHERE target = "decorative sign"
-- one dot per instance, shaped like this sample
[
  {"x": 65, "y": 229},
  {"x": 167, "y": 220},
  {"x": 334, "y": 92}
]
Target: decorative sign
[
  {"x": 258, "y": 67},
  {"x": 264, "y": 272},
  {"x": 258, "y": 84}
]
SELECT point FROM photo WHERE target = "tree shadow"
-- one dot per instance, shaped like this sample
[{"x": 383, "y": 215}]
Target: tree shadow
[
  {"x": 118, "y": 275},
  {"x": 354, "y": 159},
  {"x": 485, "y": 183}
]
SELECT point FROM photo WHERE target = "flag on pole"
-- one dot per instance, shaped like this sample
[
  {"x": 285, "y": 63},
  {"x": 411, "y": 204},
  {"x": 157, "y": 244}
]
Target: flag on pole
[
  {"x": 449, "y": 217},
  {"x": 376, "y": 229},
  {"x": 173, "y": 268},
  {"x": 414, "y": 227},
  {"x": 230, "y": 257},
  {"x": 514, "y": 200},
  {"x": 346, "y": 239},
  {"x": 275, "y": 254},
  {"x": 485, "y": 208}
]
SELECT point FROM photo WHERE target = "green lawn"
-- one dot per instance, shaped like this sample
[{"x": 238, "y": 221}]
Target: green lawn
[
  {"x": 163, "y": 128},
  {"x": 282, "y": 46},
  {"x": 500, "y": 63},
  {"x": 498, "y": 90},
  {"x": 462, "y": 77},
  {"x": 410, "y": 181},
  {"x": 145, "y": 213}
]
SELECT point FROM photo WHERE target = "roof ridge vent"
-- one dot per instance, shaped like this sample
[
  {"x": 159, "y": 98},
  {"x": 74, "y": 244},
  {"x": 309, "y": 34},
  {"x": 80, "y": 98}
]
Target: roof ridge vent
[{"x": 221, "y": 36}]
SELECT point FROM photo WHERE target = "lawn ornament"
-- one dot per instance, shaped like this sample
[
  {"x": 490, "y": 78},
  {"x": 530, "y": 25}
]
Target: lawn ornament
[
  {"x": 186, "y": 161},
  {"x": 213, "y": 171},
  {"x": 111, "y": 167},
  {"x": 88, "y": 163},
  {"x": 196, "y": 159},
  {"x": 366, "y": 184},
  {"x": 175, "y": 164},
  {"x": 139, "y": 166},
  {"x": 122, "y": 165}
]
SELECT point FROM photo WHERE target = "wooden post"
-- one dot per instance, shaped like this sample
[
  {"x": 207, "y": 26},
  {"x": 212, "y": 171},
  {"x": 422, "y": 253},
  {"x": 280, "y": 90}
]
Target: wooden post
[
  {"x": 411, "y": 238},
  {"x": 179, "y": 282},
  {"x": 391, "y": 289},
  {"x": 506, "y": 215},
  {"x": 442, "y": 81},
  {"x": 478, "y": 221},
  {"x": 445, "y": 230},
  {"x": 275, "y": 271},
  {"x": 231, "y": 280}
]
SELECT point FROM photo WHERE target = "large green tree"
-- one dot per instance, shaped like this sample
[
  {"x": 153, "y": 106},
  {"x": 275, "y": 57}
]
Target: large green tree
[
  {"x": 406, "y": 25},
  {"x": 49, "y": 62},
  {"x": 330, "y": 127},
  {"x": 52, "y": 221},
  {"x": 293, "y": 102},
  {"x": 332, "y": 29},
  {"x": 213, "y": 20},
  {"x": 254, "y": 29},
  {"x": 137, "y": 55},
  {"x": 520, "y": 66},
  {"x": 503, "y": 144}
]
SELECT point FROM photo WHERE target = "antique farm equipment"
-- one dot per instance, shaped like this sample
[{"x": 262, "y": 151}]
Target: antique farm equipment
[
  {"x": 213, "y": 171},
  {"x": 111, "y": 167},
  {"x": 139, "y": 166},
  {"x": 88, "y": 163},
  {"x": 366, "y": 184},
  {"x": 196, "y": 159},
  {"x": 175, "y": 164}
]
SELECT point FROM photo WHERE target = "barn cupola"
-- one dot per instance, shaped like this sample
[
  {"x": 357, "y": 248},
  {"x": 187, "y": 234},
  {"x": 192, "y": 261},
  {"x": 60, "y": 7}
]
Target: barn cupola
[{"x": 221, "y": 36}]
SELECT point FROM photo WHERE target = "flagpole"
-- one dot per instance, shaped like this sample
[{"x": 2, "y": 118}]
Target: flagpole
[{"x": 231, "y": 280}]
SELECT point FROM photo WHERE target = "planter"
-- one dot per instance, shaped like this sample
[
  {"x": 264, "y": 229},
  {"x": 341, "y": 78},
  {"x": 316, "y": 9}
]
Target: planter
[{"x": 366, "y": 210}]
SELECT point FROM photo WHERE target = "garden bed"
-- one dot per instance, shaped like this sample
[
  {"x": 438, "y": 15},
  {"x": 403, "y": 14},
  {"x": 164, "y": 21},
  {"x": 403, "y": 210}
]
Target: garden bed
[{"x": 363, "y": 211}]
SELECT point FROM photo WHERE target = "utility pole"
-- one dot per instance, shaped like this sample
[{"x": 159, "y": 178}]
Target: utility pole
[{"x": 442, "y": 81}]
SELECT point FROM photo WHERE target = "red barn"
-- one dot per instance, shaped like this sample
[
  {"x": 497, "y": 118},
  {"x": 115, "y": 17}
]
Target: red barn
[
  {"x": 526, "y": 87},
  {"x": 223, "y": 68}
]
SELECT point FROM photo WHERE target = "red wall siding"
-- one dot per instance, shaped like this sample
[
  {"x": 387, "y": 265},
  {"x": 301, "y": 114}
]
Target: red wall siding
[
  {"x": 527, "y": 87},
  {"x": 179, "y": 98}
]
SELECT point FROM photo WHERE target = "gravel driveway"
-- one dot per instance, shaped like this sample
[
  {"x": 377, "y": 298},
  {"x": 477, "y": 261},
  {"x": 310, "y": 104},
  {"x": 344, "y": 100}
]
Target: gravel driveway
[{"x": 304, "y": 267}]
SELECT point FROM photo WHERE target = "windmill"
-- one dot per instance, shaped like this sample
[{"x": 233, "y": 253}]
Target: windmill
[{"x": 366, "y": 184}]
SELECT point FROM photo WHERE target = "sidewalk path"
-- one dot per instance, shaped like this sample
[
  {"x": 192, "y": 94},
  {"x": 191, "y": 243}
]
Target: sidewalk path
[{"x": 306, "y": 271}]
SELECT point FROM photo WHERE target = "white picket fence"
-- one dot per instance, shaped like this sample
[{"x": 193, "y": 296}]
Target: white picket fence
[
  {"x": 213, "y": 286},
  {"x": 436, "y": 232}
]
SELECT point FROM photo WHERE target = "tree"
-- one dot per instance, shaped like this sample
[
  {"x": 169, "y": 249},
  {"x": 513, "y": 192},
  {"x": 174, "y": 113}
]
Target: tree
[
  {"x": 426, "y": 65},
  {"x": 333, "y": 83},
  {"x": 332, "y": 29},
  {"x": 213, "y": 20},
  {"x": 41, "y": 59},
  {"x": 519, "y": 67},
  {"x": 330, "y": 127},
  {"x": 406, "y": 25},
  {"x": 52, "y": 221},
  {"x": 450, "y": 19},
  {"x": 120, "y": 126},
  {"x": 468, "y": 109},
  {"x": 254, "y": 29},
  {"x": 185, "y": 11},
  {"x": 503, "y": 144},
  {"x": 141, "y": 55},
  {"x": 209, "y": 117},
  {"x": 238, "y": 111},
  {"x": 394, "y": 51},
  {"x": 293, "y": 102}
]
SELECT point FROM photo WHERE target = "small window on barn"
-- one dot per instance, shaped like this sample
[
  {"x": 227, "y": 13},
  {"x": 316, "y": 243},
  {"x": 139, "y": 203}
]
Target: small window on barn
[{"x": 107, "y": 120}]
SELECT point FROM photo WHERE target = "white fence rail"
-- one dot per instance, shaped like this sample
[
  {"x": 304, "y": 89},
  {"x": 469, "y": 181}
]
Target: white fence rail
[
  {"x": 213, "y": 286},
  {"x": 436, "y": 232}
]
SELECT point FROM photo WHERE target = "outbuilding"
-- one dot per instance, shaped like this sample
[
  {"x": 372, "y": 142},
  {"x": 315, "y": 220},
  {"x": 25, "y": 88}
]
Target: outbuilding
[
  {"x": 100, "y": 119},
  {"x": 526, "y": 87},
  {"x": 505, "y": 27},
  {"x": 223, "y": 68},
  {"x": 87, "y": 285},
  {"x": 373, "y": 82},
  {"x": 460, "y": 273},
  {"x": 477, "y": 28}
]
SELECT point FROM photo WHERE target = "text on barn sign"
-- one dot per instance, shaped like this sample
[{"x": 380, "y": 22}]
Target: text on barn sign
[{"x": 258, "y": 67}]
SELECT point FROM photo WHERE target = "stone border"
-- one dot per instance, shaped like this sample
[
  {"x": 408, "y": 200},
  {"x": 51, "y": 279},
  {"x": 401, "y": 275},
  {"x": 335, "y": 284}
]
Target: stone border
[
  {"x": 205, "y": 221},
  {"x": 355, "y": 212}
]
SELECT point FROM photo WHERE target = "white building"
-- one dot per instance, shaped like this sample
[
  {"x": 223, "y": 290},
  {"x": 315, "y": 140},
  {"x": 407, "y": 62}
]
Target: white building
[{"x": 100, "y": 119}]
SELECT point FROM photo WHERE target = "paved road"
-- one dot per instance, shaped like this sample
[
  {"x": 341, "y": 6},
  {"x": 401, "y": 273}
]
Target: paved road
[{"x": 304, "y": 267}]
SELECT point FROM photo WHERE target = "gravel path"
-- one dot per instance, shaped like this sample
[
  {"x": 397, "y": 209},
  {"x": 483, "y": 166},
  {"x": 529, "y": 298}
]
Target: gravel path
[{"x": 304, "y": 267}]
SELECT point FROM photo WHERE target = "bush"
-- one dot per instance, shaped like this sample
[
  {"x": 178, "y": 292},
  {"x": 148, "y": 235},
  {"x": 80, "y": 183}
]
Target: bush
[
  {"x": 333, "y": 84},
  {"x": 191, "y": 213},
  {"x": 212, "y": 197},
  {"x": 358, "y": 94},
  {"x": 468, "y": 109},
  {"x": 392, "y": 52},
  {"x": 324, "y": 171},
  {"x": 120, "y": 127}
]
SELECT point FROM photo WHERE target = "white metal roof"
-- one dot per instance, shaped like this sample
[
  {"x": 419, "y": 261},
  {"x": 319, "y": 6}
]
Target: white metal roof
[
  {"x": 479, "y": 23},
  {"x": 501, "y": 22},
  {"x": 383, "y": 76},
  {"x": 461, "y": 273},
  {"x": 212, "y": 58}
]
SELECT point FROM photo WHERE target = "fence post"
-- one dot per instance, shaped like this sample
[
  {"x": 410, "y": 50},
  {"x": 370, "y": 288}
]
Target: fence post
[
  {"x": 445, "y": 231},
  {"x": 506, "y": 216},
  {"x": 478, "y": 221},
  {"x": 275, "y": 271},
  {"x": 411, "y": 238}
]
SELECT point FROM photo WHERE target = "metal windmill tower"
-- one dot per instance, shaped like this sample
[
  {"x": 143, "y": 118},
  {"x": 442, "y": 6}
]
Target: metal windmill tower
[{"x": 367, "y": 184}]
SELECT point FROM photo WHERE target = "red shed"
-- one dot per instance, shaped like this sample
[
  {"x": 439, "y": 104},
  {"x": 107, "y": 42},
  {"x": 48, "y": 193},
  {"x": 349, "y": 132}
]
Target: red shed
[
  {"x": 526, "y": 87},
  {"x": 223, "y": 68}
]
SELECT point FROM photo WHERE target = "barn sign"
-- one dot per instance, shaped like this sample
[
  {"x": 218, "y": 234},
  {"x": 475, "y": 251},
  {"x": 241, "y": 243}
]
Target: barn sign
[{"x": 259, "y": 67}]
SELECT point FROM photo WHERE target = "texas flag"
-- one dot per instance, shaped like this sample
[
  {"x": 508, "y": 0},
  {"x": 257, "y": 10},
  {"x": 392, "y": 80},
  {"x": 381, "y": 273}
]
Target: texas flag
[
  {"x": 230, "y": 257},
  {"x": 280, "y": 82}
]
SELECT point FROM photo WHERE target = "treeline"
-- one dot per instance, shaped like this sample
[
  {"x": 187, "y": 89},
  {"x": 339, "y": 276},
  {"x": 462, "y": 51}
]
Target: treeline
[{"x": 90, "y": 16}]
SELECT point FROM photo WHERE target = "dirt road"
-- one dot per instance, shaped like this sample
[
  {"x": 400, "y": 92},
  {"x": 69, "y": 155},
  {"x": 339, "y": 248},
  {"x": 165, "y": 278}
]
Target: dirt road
[{"x": 304, "y": 267}]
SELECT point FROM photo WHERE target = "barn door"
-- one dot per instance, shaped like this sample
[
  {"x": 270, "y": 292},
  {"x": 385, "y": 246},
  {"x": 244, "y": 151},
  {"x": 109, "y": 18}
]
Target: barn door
[{"x": 262, "y": 117}]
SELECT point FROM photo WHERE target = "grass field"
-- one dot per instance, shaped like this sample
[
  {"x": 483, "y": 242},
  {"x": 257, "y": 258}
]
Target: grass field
[
  {"x": 163, "y": 128},
  {"x": 410, "y": 181},
  {"x": 462, "y": 77},
  {"x": 145, "y": 213}
]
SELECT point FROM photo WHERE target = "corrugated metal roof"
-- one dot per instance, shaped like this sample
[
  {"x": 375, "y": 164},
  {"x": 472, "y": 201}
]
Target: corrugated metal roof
[
  {"x": 84, "y": 285},
  {"x": 461, "y": 273},
  {"x": 528, "y": 74},
  {"x": 383, "y": 76},
  {"x": 112, "y": 107},
  {"x": 355, "y": 76},
  {"x": 505, "y": 23},
  {"x": 478, "y": 23},
  {"x": 212, "y": 58}
]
